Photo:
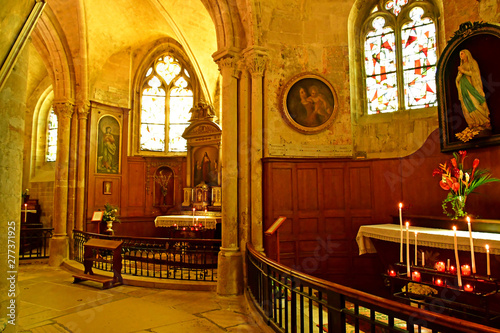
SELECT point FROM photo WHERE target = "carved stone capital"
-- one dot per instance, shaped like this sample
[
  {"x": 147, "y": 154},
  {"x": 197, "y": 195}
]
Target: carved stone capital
[
  {"x": 255, "y": 60},
  {"x": 63, "y": 109},
  {"x": 83, "y": 109},
  {"x": 229, "y": 63}
]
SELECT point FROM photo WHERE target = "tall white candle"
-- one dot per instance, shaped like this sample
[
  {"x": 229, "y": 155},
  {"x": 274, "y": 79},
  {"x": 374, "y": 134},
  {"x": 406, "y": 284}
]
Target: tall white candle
[
  {"x": 408, "y": 250},
  {"x": 193, "y": 214},
  {"x": 459, "y": 275},
  {"x": 25, "y": 213},
  {"x": 423, "y": 259},
  {"x": 473, "y": 261},
  {"x": 205, "y": 217},
  {"x": 416, "y": 258},
  {"x": 401, "y": 234},
  {"x": 488, "y": 270}
]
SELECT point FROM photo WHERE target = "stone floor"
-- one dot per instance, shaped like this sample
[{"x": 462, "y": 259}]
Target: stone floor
[{"x": 50, "y": 302}]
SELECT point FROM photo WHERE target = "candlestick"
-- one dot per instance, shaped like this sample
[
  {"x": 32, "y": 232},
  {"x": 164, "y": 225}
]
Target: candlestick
[
  {"x": 408, "y": 250},
  {"x": 423, "y": 259},
  {"x": 473, "y": 261},
  {"x": 401, "y": 233},
  {"x": 25, "y": 213},
  {"x": 416, "y": 253},
  {"x": 488, "y": 271},
  {"x": 459, "y": 276}
]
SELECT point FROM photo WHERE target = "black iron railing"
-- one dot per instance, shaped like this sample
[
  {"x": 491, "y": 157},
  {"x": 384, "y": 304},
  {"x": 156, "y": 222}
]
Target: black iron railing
[
  {"x": 34, "y": 243},
  {"x": 290, "y": 301},
  {"x": 164, "y": 258}
]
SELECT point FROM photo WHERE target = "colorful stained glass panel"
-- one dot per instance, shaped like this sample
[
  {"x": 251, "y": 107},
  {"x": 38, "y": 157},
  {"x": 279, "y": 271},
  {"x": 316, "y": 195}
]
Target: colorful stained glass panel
[
  {"x": 152, "y": 137},
  {"x": 52, "y": 137},
  {"x": 395, "y": 5},
  {"x": 382, "y": 93}
]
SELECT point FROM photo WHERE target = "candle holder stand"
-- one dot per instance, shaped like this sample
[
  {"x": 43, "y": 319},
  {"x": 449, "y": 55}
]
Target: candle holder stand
[{"x": 473, "y": 305}]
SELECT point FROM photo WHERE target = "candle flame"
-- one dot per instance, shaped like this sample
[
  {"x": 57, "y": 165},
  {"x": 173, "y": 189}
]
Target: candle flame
[
  {"x": 468, "y": 219},
  {"x": 400, "y": 205},
  {"x": 487, "y": 247},
  {"x": 407, "y": 224},
  {"x": 416, "y": 232},
  {"x": 454, "y": 228}
]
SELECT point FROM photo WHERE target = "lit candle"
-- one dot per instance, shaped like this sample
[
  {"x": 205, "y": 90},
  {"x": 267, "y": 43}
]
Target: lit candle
[
  {"x": 392, "y": 272},
  {"x": 459, "y": 276},
  {"x": 451, "y": 269},
  {"x": 416, "y": 258},
  {"x": 408, "y": 250},
  {"x": 25, "y": 212},
  {"x": 440, "y": 267},
  {"x": 448, "y": 264},
  {"x": 423, "y": 259},
  {"x": 438, "y": 282},
  {"x": 488, "y": 271},
  {"x": 401, "y": 233},
  {"x": 193, "y": 214},
  {"x": 415, "y": 276},
  {"x": 205, "y": 216},
  {"x": 473, "y": 261},
  {"x": 468, "y": 287},
  {"x": 465, "y": 270}
]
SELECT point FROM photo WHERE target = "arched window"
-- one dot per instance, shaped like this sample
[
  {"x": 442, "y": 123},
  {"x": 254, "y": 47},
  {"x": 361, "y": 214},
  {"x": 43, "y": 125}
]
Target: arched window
[
  {"x": 165, "y": 101},
  {"x": 52, "y": 125},
  {"x": 400, "y": 56}
]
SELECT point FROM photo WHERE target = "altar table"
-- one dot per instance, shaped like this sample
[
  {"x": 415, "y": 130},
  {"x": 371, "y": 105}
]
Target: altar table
[
  {"x": 208, "y": 222},
  {"x": 431, "y": 237}
]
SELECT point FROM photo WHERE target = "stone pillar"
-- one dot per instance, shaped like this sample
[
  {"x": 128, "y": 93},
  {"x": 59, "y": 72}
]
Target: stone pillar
[
  {"x": 59, "y": 242},
  {"x": 230, "y": 266},
  {"x": 83, "y": 112},
  {"x": 256, "y": 63},
  {"x": 12, "y": 128}
]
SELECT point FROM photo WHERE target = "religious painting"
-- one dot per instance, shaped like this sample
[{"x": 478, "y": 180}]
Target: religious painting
[
  {"x": 308, "y": 103},
  {"x": 106, "y": 187},
  {"x": 205, "y": 166},
  {"x": 108, "y": 145},
  {"x": 467, "y": 79}
]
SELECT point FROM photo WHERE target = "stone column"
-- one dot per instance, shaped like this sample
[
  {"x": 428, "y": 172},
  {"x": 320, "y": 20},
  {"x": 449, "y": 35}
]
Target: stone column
[
  {"x": 59, "y": 242},
  {"x": 83, "y": 112},
  {"x": 12, "y": 129},
  {"x": 230, "y": 266},
  {"x": 256, "y": 59}
]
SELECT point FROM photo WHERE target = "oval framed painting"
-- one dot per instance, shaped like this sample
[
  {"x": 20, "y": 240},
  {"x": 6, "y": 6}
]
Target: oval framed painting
[{"x": 308, "y": 103}]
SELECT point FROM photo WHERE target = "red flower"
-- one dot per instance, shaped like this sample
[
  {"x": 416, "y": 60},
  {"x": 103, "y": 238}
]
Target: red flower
[
  {"x": 455, "y": 186},
  {"x": 454, "y": 162},
  {"x": 444, "y": 185},
  {"x": 462, "y": 154},
  {"x": 456, "y": 173},
  {"x": 437, "y": 171},
  {"x": 475, "y": 164}
]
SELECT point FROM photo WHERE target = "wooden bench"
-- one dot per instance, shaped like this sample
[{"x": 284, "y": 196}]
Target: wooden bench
[{"x": 91, "y": 255}]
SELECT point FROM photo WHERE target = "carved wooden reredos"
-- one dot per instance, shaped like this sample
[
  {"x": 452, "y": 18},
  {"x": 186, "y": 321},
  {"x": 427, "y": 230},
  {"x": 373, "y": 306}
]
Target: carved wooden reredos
[{"x": 203, "y": 179}]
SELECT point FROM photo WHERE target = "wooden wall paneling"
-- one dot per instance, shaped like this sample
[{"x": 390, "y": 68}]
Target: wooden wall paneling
[
  {"x": 106, "y": 194},
  {"x": 136, "y": 188}
]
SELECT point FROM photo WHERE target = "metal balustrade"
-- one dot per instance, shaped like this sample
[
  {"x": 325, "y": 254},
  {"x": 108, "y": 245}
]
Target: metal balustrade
[
  {"x": 34, "y": 243},
  {"x": 164, "y": 258},
  {"x": 291, "y": 301}
]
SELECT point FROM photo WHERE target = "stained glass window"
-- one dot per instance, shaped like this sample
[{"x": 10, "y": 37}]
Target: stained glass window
[
  {"x": 400, "y": 60},
  {"x": 167, "y": 97},
  {"x": 51, "y": 137}
]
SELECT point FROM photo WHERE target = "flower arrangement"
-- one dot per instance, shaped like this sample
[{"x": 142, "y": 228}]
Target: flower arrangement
[
  {"x": 109, "y": 213},
  {"x": 460, "y": 182}
]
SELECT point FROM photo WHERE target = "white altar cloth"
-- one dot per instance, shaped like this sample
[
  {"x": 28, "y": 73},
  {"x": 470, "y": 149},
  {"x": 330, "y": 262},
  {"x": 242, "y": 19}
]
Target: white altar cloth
[
  {"x": 431, "y": 237},
  {"x": 208, "y": 222}
]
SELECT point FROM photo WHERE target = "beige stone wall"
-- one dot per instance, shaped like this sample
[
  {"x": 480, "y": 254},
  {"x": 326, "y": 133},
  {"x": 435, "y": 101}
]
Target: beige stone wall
[{"x": 305, "y": 36}]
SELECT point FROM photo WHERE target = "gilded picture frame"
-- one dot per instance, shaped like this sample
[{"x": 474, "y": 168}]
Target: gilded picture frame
[
  {"x": 467, "y": 68},
  {"x": 308, "y": 103}
]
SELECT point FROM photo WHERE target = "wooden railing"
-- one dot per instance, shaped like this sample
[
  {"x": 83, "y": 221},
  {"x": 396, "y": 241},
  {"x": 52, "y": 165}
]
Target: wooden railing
[
  {"x": 34, "y": 243},
  {"x": 290, "y": 301},
  {"x": 164, "y": 258}
]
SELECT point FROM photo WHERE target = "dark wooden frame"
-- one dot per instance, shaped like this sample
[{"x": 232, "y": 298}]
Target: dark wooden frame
[
  {"x": 483, "y": 40},
  {"x": 294, "y": 113}
]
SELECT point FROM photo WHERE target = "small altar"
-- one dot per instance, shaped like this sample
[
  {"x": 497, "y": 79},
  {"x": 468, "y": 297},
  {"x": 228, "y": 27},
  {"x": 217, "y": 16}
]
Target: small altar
[{"x": 187, "y": 221}]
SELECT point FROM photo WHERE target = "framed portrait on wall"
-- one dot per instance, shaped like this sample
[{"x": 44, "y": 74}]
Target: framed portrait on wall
[
  {"x": 308, "y": 103},
  {"x": 108, "y": 145},
  {"x": 467, "y": 79}
]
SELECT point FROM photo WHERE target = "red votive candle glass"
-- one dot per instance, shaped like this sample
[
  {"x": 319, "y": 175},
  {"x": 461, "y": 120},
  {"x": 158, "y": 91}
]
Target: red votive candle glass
[
  {"x": 452, "y": 270},
  {"x": 465, "y": 270},
  {"x": 415, "y": 276},
  {"x": 468, "y": 287},
  {"x": 438, "y": 282},
  {"x": 440, "y": 266},
  {"x": 392, "y": 272}
]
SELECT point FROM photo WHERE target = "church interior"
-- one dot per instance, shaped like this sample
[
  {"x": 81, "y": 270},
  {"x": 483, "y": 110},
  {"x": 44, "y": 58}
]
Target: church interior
[{"x": 299, "y": 134}]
